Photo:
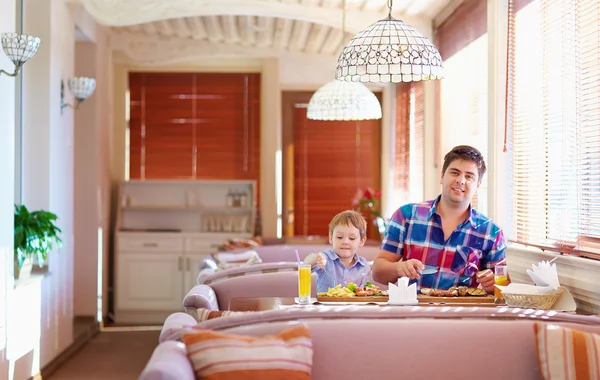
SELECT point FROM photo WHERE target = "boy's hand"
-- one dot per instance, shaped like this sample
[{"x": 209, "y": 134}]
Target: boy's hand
[{"x": 321, "y": 260}]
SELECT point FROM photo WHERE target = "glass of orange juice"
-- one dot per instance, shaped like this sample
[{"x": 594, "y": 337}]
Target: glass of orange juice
[
  {"x": 500, "y": 278},
  {"x": 304, "y": 282}
]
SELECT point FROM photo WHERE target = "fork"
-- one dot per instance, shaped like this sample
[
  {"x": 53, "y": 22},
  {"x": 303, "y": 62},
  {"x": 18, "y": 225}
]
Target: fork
[{"x": 327, "y": 273}]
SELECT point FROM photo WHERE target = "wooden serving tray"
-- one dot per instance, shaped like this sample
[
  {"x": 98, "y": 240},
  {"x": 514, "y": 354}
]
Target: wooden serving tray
[
  {"x": 489, "y": 299},
  {"x": 353, "y": 299}
]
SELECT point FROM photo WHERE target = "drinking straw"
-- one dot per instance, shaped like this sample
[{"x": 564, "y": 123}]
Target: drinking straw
[{"x": 298, "y": 257}]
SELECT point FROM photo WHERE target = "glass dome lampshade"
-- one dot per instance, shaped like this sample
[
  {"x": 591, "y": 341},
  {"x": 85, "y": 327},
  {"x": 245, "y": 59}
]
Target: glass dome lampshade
[
  {"x": 389, "y": 51},
  {"x": 338, "y": 100},
  {"x": 82, "y": 87},
  {"x": 19, "y": 48}
]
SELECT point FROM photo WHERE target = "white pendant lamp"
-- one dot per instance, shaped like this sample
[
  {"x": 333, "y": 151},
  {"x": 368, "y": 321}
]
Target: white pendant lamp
[
  {"x": 342, "y": 101},
  {"x": 389, "y": 51}
]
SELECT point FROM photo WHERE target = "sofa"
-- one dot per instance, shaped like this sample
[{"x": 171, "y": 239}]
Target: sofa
[
  {"x": 286, "y": 252},
  {"x": 358, "y": 342},
  {"x": 216, "y": 296},
  {"x": 209, "y": 276}
]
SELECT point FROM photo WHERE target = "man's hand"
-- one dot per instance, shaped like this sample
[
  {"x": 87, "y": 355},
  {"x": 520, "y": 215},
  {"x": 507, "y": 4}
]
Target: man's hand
[
  {"x": 410, "y": 268},
  {"x": 321, "y": 260},
  {"x": 486, "y": 279}
]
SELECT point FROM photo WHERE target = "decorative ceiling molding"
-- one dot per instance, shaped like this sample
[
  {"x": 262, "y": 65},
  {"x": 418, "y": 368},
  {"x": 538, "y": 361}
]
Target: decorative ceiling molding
[
  {"x": 155, "y": 50},
  {"x": 133, "y": 12}
]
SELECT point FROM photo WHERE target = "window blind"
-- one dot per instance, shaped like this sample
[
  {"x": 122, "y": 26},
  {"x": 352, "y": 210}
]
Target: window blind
[
  {"x": 408, "y": 148},
  {"x": 463, "y": 111},
  {"x": 332, "y": 160},
  {"x": 194, "y": 126},
  {"x": 553, "y": 113}
]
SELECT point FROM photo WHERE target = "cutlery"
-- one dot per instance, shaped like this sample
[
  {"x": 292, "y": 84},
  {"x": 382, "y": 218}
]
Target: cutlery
[
  {"x": 428, "y": 271},
  {"x": 327, "y": 273}
]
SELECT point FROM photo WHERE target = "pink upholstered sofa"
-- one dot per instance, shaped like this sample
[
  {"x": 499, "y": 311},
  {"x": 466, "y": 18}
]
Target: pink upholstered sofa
[
  {"x": 286, "y": 252},
  {"x": 359, "y": 342},
  {"x": 209, "y": 276},
  {"x": 216, "y": 296}
]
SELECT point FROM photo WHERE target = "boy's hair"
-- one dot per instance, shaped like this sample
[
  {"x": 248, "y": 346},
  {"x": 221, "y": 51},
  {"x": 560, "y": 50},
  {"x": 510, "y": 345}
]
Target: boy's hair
[
  {"x": 465, "y": 152},
  {"x": 349, "y": 218}
]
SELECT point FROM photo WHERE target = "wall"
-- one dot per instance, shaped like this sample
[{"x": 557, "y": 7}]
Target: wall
[
  {"x": 92, "y": 171},
  {"x": 40, "y": 314},
  {"x": 7, "y": 165}
]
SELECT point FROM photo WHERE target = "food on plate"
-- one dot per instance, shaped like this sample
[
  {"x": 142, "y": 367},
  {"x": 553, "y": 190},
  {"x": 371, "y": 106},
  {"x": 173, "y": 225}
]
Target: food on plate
[
  {"x": 353, "y": 290},
  {"x": 337, "y": 291},
  {"x": 454, "y": 292},
  {"x": 476, "y": 292}
]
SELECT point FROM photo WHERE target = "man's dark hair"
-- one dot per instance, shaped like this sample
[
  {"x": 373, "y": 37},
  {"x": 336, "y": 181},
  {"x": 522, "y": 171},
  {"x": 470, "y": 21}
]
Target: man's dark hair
[{"x": 465, "y": 152}]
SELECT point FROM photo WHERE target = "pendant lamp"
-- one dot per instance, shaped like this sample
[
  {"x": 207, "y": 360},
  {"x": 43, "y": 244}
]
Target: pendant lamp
[
  {"x": 343, "y": 101},
  {"x": 389, "y": 51},
  {"x": 339, "y": 100}
]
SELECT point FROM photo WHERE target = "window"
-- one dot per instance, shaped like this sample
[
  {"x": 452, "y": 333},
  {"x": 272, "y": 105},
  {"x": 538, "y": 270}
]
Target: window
[
  {"x": 463, "y": 93},
  {"x": 553, "y": 113},
  {"x": 332, "y": 159},
  {"x": 408, "y": 148},
  {"x": 194, "y": 126}
]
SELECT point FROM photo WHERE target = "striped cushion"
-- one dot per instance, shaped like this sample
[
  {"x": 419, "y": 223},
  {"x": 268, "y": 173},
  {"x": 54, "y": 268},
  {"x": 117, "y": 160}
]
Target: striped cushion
[
  {"x": 219, "y": 356},
  {"x": 567, "y": 354}
]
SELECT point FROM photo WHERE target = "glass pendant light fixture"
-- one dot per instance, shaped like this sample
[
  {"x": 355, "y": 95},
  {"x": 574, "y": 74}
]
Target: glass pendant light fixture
[
  {"x": 339, "y": 100},
  {"x": 343, "y": 101},
  {"x": 389, "y": 51}
]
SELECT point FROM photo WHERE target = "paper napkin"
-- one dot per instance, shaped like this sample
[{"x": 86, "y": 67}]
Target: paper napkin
[{"x": 402, "y": 294}]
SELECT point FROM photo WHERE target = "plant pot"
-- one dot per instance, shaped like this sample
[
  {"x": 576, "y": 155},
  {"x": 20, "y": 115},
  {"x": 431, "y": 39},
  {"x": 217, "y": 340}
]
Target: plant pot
[{"x": 24, "y": 272}]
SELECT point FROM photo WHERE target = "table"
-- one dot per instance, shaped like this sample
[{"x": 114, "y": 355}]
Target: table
[
  {"x": 258, "y": 303},
  {"x": 272, "y": 303}
]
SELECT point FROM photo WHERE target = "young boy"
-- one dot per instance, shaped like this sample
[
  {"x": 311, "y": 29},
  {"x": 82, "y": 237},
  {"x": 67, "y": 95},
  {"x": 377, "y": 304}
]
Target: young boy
[{"x": 340, "y": 265}]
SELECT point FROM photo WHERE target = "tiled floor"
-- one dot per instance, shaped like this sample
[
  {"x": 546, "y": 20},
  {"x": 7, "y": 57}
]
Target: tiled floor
[{"x": 115, "y": 355}]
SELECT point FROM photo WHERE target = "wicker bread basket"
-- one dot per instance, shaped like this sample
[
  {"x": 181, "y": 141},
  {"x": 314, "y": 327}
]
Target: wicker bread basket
[{"x": 532, "y": 301}]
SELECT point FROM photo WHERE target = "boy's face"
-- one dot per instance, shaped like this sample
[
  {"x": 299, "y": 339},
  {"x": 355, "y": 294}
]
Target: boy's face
[{"x": 346, "y": 240}]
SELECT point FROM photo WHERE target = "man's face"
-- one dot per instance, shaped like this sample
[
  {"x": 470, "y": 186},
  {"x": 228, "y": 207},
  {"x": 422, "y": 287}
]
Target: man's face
[{"x": 460, "y": 182}]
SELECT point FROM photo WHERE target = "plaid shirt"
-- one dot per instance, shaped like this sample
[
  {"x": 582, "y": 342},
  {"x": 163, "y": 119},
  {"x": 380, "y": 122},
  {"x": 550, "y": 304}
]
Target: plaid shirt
[{"x": 415, "y": 232}]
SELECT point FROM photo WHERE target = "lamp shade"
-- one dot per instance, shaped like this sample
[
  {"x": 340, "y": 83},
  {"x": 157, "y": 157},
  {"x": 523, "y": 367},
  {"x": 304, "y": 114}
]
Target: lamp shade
[
  {"x": 82, "y": 87},
  {"x": 389, "y": 51},
  {"x": 19, "y": 47},
  {"x": 338, "y": 100}
]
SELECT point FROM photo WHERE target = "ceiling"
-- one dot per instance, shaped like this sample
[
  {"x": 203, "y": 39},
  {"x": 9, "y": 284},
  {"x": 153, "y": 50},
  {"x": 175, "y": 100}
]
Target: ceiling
[{"x": 250, "y": 28}]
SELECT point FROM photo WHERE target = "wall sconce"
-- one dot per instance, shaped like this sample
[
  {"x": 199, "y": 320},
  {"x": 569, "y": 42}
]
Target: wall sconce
[
  {"x": 18, "y": 48},
  {"x": 81, "y": 88}
]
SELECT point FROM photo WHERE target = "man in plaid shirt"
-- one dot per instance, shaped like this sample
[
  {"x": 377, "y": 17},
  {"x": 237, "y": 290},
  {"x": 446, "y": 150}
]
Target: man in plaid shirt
[{"x": 461, "y": 245}]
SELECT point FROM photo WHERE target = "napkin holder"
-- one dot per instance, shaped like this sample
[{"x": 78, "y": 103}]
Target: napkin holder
[{"x": 402, "y": 294}]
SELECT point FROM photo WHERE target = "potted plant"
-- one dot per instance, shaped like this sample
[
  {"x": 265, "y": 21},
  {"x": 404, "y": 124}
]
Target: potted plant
[{"x": 36, "y": 234}]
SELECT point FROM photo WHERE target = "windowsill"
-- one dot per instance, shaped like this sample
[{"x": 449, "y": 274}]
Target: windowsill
[
  {"x": 37, "y": 274},
  {"x": 579, "y": 275}
]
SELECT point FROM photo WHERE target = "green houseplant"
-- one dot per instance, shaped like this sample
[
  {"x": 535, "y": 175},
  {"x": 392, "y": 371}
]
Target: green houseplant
[{"x": 36, "y": 234}]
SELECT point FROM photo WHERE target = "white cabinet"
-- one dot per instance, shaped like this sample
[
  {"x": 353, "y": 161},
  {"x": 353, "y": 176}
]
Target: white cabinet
[
  {"x": 149, "y": 281},
  {"x": 165, "y": 229}
]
